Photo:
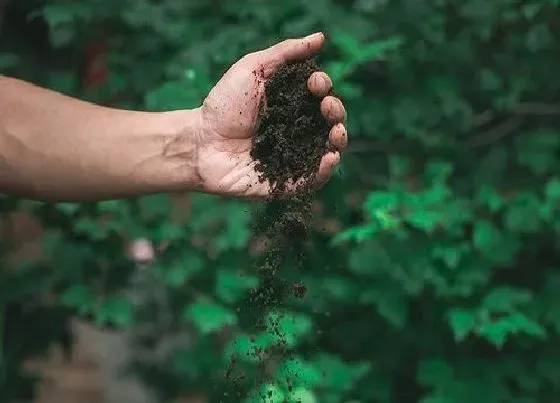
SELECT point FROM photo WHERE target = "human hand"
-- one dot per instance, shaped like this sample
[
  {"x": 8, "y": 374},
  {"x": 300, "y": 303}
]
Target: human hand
[{"x": 229, "y": 117}]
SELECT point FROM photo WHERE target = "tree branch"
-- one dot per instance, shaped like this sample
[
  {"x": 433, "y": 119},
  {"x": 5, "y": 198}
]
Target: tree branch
[
  {"x": 494, "y": 134},
  {"x": 536, "y": 109},
  {"x": 518, "y": 112}
]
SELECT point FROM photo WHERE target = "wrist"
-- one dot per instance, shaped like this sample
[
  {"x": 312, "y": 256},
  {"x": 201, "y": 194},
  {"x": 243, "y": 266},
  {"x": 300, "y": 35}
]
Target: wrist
[{"x": 179, "y": 150}]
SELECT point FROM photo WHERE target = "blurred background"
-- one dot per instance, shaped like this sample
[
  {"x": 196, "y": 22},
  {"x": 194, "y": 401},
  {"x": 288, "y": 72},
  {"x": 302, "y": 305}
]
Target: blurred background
[{"x": 435, "y": 257}]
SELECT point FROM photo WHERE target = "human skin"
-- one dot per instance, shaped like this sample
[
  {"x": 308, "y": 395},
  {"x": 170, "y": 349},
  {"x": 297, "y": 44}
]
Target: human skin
[{"x": 57, "y": 148}]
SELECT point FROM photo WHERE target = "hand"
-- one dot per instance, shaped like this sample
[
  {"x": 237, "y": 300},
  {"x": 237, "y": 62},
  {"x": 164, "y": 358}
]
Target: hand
[{"x": 229, "y": 118}]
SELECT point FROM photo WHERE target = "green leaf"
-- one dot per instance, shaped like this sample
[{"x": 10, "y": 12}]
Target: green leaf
[
  {"x": 231, "y": 287},
  {"x": 505, "y": 299},
  {"x": 485, "y": 235},
  {"x": 9, "y": 60},
  {"x": 287, "y": 328},
  {"x": 548, "y": 300},
  {"x": 271, "y": 394},
  {"x": 155, "y": 206},
  {"x": 68, "y": 208},
  {"x": 337, "y": 71},
  {"x": 438, "y": 171},
  {"x": 498, "y": 331},
  {"x": 462, "y": 322},
  {"x": 385, "y": 220},
  {"x": 450, "y": 255},
  {"x": 399, "y": 166},
  {"x": 111, "y": 206},
  {"x": 489, "y": 80},
  {"x": 80, "y": 297},
  {"x": 434, "y": 371},
  {"x": 381, "y": 201},
  {"x": 489, "y": 197},
  {"x": 339, "y": 376},
  {"x": 523, "y": 213},
  {"x": 177, "y": 273},
  {"x": 338, "y": 288},
  {"x": 251, "y": 349},
  {"x": 296, "y": 372},
  {"x": 301, "y": 395},
  {"x": 358, "y": 234},
  {"x": 349, "y": 90},
  {"x": 538, "y": 151},
  {"x": 347, "y": 44},
  {"x": 390, "y": 304},
  {"x": 184, "y": 93},
  {"x": 267, "y": 393},
  {"x": 57, "y": 14},
  {"x": 425, "y": 220},
  {"x": 552, "y": 190},
  {"x": 236, "y": 234},
  {"x": 209, "y": 317},
  {"x": 118, "y": 311},
  {"x": 378, "y": 49}
]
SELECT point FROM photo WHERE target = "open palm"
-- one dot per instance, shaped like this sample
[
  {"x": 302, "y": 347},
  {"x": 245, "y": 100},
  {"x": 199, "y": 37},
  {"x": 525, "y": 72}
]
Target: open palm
[{"x": 230, "y": 114}]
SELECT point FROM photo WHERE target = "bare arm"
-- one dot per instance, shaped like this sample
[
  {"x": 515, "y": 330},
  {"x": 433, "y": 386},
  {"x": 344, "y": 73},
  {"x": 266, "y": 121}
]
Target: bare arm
[
  {"x": 53, "y": 147},
  {"x": 57, "y": 148}
]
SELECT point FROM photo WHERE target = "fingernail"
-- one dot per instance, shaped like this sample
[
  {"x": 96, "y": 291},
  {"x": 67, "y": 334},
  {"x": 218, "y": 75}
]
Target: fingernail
[
  {"x": 320, "y": 83},
  {"x": 325, "y": 83},
  {"x": 314, "y": 36}
]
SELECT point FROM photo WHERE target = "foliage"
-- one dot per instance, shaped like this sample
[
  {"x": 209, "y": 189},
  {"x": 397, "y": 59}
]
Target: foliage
[{"x": 442, "y": 285}]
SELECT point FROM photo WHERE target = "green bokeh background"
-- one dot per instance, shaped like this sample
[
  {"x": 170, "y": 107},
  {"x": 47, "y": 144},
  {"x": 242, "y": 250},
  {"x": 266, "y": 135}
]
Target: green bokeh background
[{"x": 435, "y": 259}]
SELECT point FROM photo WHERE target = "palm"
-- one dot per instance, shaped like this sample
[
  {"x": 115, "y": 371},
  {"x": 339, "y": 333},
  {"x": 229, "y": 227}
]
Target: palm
[{"x": 230, "y": 113}]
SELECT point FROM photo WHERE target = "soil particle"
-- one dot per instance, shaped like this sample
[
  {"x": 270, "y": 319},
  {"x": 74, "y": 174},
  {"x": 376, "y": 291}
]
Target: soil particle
[{"x": 299, "y": 290}]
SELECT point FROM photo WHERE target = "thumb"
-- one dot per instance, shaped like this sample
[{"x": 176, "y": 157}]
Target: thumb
[{"x": 293, "y": 49}]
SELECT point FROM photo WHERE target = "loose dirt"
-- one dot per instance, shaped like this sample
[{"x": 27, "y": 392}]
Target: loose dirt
[
  {"x": 292, "y": 133},
  {"x": 292, "y": 137}
]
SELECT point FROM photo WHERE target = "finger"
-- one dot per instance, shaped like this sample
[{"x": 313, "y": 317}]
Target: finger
[
  {"x": 319, "y": 84},
  {"x": 328, "y": 163},
  {"x": 333, "y": 110},
  {"x": 338, "y": 137},
  {"x": 293, "y": 49}
]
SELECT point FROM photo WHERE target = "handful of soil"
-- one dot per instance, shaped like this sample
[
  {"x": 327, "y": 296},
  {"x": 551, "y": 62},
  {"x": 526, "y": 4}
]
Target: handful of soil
[
  {"x": 292, "y": 133},
  {"x": 292, "y": 138}
]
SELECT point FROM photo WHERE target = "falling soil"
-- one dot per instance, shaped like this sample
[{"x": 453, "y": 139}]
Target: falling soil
[{"x": 292, "y": 137}]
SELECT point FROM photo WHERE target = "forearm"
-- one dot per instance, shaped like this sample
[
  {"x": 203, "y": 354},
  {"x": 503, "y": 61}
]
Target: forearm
[{"x": 57, "y": 148}]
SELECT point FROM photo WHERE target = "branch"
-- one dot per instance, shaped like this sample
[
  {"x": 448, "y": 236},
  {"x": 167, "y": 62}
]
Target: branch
[
  {"x": 494, "y": 134},
  {"x": 536, "y": 109}
]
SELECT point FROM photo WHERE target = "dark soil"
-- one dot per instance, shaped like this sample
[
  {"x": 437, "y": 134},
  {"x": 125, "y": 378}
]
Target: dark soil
[
  {"x": 292, "y": 134},
  {"x": 291, "y": 140},
  {"x": 292, "y": 137}
]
